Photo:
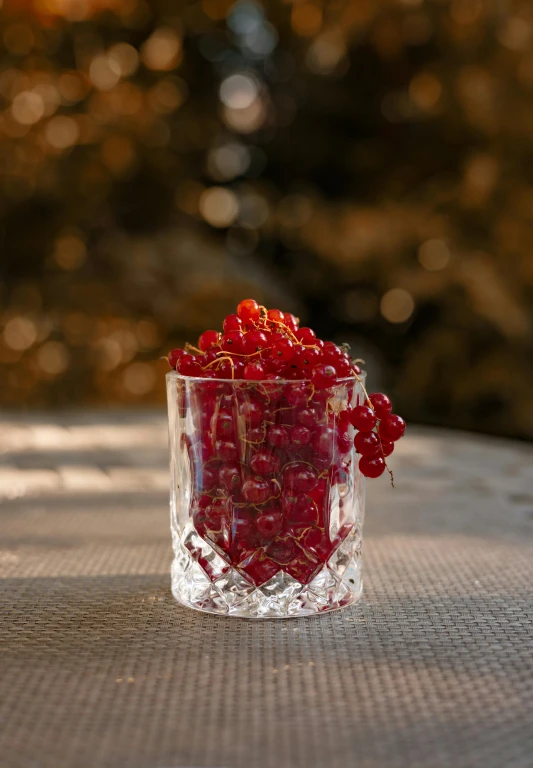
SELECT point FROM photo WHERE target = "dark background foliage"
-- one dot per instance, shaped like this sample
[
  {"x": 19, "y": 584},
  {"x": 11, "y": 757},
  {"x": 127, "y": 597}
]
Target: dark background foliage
[{"x": 366, "y": 164}]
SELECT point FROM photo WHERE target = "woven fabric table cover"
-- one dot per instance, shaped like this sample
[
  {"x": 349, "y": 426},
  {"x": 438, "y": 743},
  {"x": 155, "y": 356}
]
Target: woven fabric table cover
[{"x": 99, "y": 666}]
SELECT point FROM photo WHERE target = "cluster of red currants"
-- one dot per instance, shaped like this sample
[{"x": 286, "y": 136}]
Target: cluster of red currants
[{"x": 267, "y": 345}]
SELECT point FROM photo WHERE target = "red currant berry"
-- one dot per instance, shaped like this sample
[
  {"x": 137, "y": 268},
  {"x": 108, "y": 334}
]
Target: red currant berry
[
  {"x": 343, "y": 368},
  {"x": 344, "y": 442},
  {"x": 232, "y": 323},
  {"x": 255, "y": 341},
  {"x": 386, "y": 448},
  {"x": 307, "y": 416},
  {"x": 367, "y": 444},
  {"x": 174, "y": 355},
  {"x": 298, "y": 393},
  {"x": 208, "y": 339},
  {"x": 253, "y": 412},
  {"x": 264, "y": 463},
  {"x": 275, "y": 316},
  {"x": 391, "y": 427},
  {"x": 233, "y": 342},
  {"x": 299, "y": 478},
  {"x": 222, "y": 424},
  {"x": 323, "y": 376},
  {"x": 300, "y": 435},
  {"x": 206, "y": 479},
  {"x": 226, "y": 450},
  {"x": 278, "y": 436},
  {"x": 188, "y": 365},
  {"x": 372, "y": 466},
  {"x": 283, "y": 550},
  {"x": 305, "y": 335},
  {"x": 248, "y": 311},
  {"x": 291, "y": 321},
  {"x": 382, "y": 404},
  {"x": 305, "y": 357},
  {"x": 323, "y": 441},
  {"x": 363, "y": 418},
  {"x": 211, "y": 355},
  {"x": 269, "y": 522},
  {"x": 230, "y": 477},
  {"x": 254, "y": 372},
  {"x": 256, "y": 490},
  {"x": 283, "y": 349}
]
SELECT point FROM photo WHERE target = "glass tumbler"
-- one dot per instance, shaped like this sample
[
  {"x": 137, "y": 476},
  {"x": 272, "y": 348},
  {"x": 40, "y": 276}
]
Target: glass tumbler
[{"x": 267, "y": 501}]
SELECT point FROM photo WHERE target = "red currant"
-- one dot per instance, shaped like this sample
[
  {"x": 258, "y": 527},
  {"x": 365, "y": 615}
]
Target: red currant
[
  {"x": 283, "y": 349},
  {"x": 264, "y": 463},
  {"x": 230, "y": 477},
  {"x": 269, "y": 522},
  {"x": 299, "y": 478},
  {"x": 232, "y": 323},
  {"x": 323, "y": 376},
  {"x": 372, "y": 466},
  {"x": 276, "y": 316},
  {"x": 255, "y": 341},
  {"x": 233, "y": 342},
  {"x": 305, "y": 357},
  {"x": 300, "y": 435},
  {"x": 291, "y": 321},
  {"x": 392, "y": 427},
  {"x": 208, "y": 339},
  {"x": 323, "y": 441},
  {"x": 307, "y": 416},
  {"x": 367, "y": 444},
  {"x": 211, "y": 355},
  {"x": 256, "y": 490},
  {"x": 188, "y": 365},
  {"x": 363, "y": 418},
  {"x": 223, "y": 425},
  {"x": 278, "y": 436},
  {"x": 248, "y": 311},
  {"x": 305, "y": 335},
  {"x": 226, "y": 450},
  {"x": 382, "y": 404},
  {"x": 386, "y": 448},
  {"x": 253, "y": 412},
  {"x": 254, "y": 372},
  {"x": 174, "y": 355},
  {"x": 298, "y": 393}
]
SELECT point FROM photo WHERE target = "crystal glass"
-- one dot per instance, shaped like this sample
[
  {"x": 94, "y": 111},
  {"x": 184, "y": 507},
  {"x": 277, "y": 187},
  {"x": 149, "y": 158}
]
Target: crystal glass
[{"x": 267, "y": 502}]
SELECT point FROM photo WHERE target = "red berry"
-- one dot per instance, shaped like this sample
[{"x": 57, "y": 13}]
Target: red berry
[
  {"x": 232, "y": 323},
  {"x": 188, "y": 365},
  {"x": 283, "y": 550},
  {"x": 230, "y": 477},
  {"x": 264, "y": 463},
  {"x": 276, "y": 316},
  {"x": 323, "y": 376},
  {"x": 344, "y": 442},
  {"x": 283, "y": 349},
  {"x": 307, "y": 416},
  {"x": 303, "y": 511},
  {"x": 248, "y": 311},
  {"x": 278, "y": 436},
  {"x": 208, "y": 339},
  {"x": 300, "y": 435},
  {"x": 226, "y": 450},
  {"x": 253, "y": 412},
  {"x": 343, "y": 368},
  {"x": 372, "y": 466},
  {"x": 323, "y": 441},
  {"x": 211, "y": 355},
  {"x": 255, "y": 341},
  {"x": 206, "y": 479},
  {"x": 222, "y": 424},
  {"x": 367, "y": 444},
  {"x": 233, "y": 342},
  {"x": 269, "y": 522},
  {"x": 254, "y": 372},
  {"x": 305, "y": 357},
  {"x": 174, "y": 355},
  {"x": 256, "y": 490},
  {"x": 386, "y": 448},
  {"x": 298, "y": 393},
  {"x": 291, "y": 321},
  {"x": 299, "y": 478},
  {"x": 382, "y": 404},
  {"x": 305, "y": 335},
  {"x": 363, "y": 418},
  {"x": 392, "y": 427}
]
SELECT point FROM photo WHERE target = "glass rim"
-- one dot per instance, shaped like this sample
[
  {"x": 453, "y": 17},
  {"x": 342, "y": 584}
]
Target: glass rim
[{"x": 345, "y": 380}]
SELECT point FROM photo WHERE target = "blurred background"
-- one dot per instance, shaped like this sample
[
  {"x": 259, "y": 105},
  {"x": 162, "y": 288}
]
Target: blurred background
[{"x": 366, "y": 164}]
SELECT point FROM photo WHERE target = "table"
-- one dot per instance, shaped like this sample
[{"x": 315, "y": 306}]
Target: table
[{"x": 101, "y": 667}]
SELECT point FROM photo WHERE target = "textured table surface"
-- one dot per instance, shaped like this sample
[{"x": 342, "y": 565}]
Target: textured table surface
[{"x": 100, "y": 667}]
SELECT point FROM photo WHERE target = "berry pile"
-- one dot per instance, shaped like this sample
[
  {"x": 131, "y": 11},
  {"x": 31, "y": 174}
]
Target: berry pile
[{"x": 269, "y": 450}]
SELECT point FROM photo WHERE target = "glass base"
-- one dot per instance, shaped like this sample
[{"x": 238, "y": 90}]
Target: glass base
[{"x": 203, "y": 580}]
